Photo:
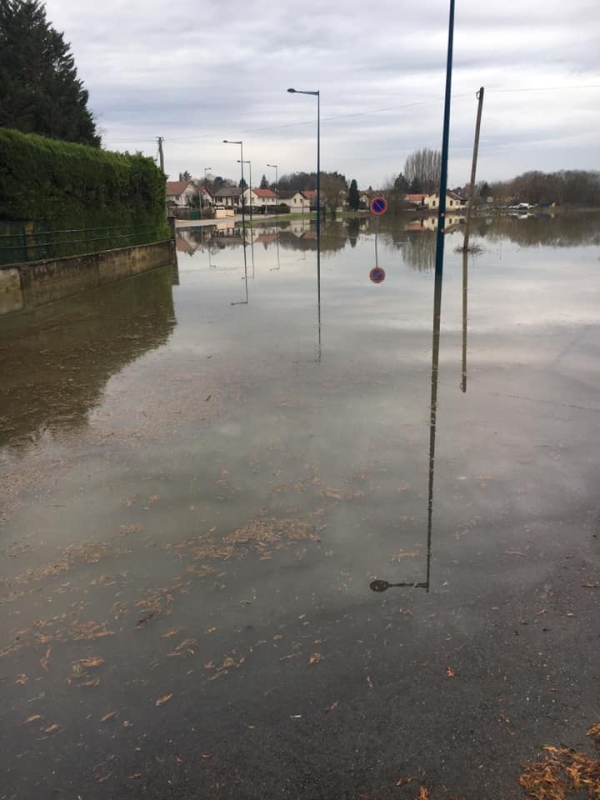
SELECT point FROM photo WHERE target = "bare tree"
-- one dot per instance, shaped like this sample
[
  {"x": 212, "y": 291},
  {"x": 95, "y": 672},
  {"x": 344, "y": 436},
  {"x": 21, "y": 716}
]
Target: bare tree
[{"x": 424, "y": 167}]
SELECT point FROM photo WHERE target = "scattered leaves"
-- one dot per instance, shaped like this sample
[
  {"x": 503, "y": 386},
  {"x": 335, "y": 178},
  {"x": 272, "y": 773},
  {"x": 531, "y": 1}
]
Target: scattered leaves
[
  {"x": 423, "y": 793},
  {"x": 108, "y": 716},
  {"x": 162, "y": 700},
  {"x": 33, "y": 718},
  {"x": 449, "y": 672},
  {"x": 314, "y": 659},
  {"x": 22, "y": 679},
  {"x": 332, "y": 707}
]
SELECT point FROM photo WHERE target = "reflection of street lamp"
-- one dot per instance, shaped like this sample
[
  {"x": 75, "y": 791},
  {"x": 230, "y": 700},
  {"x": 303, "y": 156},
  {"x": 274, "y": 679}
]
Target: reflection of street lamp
[
  {"x": 241, "y": 162},
  {"x": 318, "y": 96},
  {"x": 276, "y": 168},
  {"x": 250, "y": 189}
]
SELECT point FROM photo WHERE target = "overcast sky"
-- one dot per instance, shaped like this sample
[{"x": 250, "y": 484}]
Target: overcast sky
[{"x": 200, "y": 71}]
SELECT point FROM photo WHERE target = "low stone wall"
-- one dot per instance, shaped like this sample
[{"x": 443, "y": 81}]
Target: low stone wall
[{"x": 42, "y": 282}]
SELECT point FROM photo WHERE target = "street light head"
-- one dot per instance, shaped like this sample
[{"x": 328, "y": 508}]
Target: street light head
[{"x": 292, "y": 91}]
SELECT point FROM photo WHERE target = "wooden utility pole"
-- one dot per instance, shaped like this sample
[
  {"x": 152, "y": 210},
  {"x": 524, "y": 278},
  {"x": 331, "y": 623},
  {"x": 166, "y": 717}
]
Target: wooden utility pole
[
  {"x": 160, "y": 140},
  {"x": 479, "y": 96}
]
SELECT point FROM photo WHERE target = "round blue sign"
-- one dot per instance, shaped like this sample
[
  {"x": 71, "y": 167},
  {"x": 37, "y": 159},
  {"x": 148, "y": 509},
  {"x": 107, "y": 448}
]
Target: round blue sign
[{"x": 378, "y": 205}]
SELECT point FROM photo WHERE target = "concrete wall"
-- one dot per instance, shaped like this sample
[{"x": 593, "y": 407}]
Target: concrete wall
[{"x": 46, "y": 281}]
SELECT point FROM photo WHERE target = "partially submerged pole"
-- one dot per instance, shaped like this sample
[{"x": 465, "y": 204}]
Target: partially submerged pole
[{"x": 479, "y": 96}]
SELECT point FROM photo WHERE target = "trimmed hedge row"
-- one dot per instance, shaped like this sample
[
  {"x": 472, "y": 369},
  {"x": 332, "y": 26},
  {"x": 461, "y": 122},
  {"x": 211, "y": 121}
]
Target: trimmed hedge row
[{"x": 59, "y": 185}]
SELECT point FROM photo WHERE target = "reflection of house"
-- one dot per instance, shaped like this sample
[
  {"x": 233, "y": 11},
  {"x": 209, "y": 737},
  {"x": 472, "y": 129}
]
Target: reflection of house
[
  {"x": 180, "y": 194},
  {"x": 260, "y": 197},
  {"x": 296, "y": 201},
  {"x": 364, "y": 199},
  {"x": 430, "y": 223},
  {"x": 228, "y": 197}
]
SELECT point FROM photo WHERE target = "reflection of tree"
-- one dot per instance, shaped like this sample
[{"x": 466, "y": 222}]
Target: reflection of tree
[
  {"x": 565, "y": 230},
  {"x": 418, "y": 250},
  {"x": 56, "y": 360},
  {"x": 353, "y": 229}
]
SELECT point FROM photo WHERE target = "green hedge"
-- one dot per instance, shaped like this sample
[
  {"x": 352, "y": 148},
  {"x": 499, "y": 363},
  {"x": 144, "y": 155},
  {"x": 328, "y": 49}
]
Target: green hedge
[{"x": 59, "y": 185}]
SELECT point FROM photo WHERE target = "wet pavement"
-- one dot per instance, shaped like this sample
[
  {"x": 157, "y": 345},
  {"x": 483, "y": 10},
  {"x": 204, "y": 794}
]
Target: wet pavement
[{"x": 204, "y": 475}]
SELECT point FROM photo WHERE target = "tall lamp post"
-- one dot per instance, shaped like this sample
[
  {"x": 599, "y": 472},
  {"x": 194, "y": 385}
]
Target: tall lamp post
[
  {"x": 205, "y": 173},
  {"x": 316, "y": 94},
  {"x": 241, "y": 162},
  {"x": 276, "y": 168},
  {"x": 250, "y": 178}
]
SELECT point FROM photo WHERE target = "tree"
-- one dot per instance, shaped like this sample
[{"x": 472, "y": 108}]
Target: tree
[
  {"x": 401, "y": 184},
  {"x": 484, "y": 190},
  {"x": 264, "y": 183},
  {"x": 426, "y": 167},
  {"x": 353, "y": 196},
  {"x": 416, "y": 187},
  {"x": 333, "y": 189},
  {"x": 185, "y": 176},
  {"x": 39, "y": 88},
  {"x": 243, "y": 184}
]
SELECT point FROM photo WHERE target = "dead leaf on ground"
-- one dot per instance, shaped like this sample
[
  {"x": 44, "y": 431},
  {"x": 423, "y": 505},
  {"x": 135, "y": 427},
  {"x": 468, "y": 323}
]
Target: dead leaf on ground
[
  {"x": 332, "y": 707},
  {"x": 207, "y": 756},
  {"x": 405, "y": 781},
  {"x": 162, "y": 700},
  {"x": 88, "y": 663},
  {"x": 46, "y": 659},
  {"x": 52, "y": 728},
  {"x": 22, "y": 679},
  {"x": 591, "y": 585},
  {"x": 108, "y": 716},
  {"x": 423, "y": 793},
  {"x": 154, "y": 498},
  {"x": 449, "y": 672},
  {"x": 315, "y": 657},
  {"x": 33, "y": 718},
  {"x": 172, "y": 632}
]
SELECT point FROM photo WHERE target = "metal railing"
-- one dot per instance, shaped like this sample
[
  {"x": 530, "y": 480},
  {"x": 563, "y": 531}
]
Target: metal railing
[{"x": 36, "y": 245}]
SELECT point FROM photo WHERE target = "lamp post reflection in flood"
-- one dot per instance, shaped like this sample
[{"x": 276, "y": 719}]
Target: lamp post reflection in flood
[
  {"x": 276, "y": 168},
  {"x": 242, "y": 182}
]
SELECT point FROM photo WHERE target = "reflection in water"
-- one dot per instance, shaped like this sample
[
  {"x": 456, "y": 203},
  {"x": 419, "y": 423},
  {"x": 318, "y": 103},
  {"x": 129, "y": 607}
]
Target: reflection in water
[
  {"x": 465, "y": 277},
  {"x": 55, "y": 361},
  {"x": 379, "y": 585}
]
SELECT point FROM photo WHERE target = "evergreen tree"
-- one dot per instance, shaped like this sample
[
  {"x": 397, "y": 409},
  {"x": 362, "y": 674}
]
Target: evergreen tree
[
  {"x": 416, "y": 187},
  {"x": 264, "y": 183},
  {"x": 39, "y": 88},
  {"x": 401, "y": 184},
  {"x": 243, "y": 184},
  {"x": 185, "y": 176},
  {"x": 353, "y": 196}
]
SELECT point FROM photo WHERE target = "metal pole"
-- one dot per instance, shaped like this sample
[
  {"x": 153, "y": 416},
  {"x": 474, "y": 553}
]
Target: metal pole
[
  {"x": 479, "y": 96},
  {"x": 439, "y": 256},
  {"x": 319, "y": 191}
]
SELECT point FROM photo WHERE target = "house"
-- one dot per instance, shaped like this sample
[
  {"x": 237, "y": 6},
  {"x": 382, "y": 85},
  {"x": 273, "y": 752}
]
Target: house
[
  {"x": 420, "y": 200},
  {"x": 364, "y": 199},
  {"x": 206, "y": 198},
  {"x": 260, "y": 197},
  {"x": 180, "y": 194},
  {"x": 311, "y": 196},
  {"x": 228, "y": 197},
  {"x": 296, "y": 201},
  {"x": 453, "y": 201}
]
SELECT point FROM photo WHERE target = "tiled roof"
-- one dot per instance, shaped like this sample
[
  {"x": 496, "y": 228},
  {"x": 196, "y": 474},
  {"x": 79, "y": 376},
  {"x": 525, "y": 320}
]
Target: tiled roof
[
  {"x": 176, "y": 188},
  {"x": 264, "y": 193},
  {"x": 230, "y": 191}
]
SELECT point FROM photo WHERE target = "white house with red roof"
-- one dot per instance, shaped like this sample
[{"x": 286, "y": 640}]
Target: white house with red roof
[
  {"x": 260, "y": 197},
  {"x": 180, "y": 193}
]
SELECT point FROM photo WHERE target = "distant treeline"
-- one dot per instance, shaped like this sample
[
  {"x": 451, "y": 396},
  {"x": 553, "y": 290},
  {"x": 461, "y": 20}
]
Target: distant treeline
[{"x": 567, "y": 187}]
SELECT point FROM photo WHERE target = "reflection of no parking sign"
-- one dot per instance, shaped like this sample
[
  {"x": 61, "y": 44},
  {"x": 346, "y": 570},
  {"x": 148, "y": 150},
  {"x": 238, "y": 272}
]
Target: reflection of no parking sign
[
  {"x": 378, "y": 205},
  {"x": 377, "y": 275}
]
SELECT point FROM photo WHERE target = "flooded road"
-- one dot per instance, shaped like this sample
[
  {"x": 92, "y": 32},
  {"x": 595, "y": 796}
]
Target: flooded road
[{"x": 210, "y": 484}]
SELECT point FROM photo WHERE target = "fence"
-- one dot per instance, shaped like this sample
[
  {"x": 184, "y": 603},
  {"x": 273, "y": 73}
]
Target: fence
[{"x": 37, "y": 245}]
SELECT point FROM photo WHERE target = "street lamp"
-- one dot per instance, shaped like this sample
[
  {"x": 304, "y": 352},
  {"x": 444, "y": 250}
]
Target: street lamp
[
  {"x": 241, "y": 161},
  {"x": 205, "y": 171},
  {"x": 250, "y": 174},
  {"x": 316, "y": 94},
  {"x": 276, "y": 168}
]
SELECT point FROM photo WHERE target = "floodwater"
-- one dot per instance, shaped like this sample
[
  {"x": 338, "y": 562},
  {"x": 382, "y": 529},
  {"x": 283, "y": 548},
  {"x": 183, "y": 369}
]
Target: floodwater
[{"x": 207, "y": 476}]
